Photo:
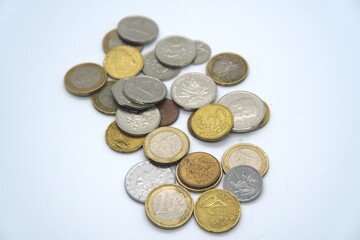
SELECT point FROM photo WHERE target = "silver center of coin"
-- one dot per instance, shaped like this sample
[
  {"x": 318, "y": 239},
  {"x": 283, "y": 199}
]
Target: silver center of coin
[
  {"x": 169, "y": 205},
  {"x": 85, "y": 77},
  {"x": 245, "y": 157},
  {"x": 166, "y": 144},
  {"x": 106, "y": 98}
]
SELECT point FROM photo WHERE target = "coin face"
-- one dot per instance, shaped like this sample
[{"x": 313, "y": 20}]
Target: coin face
[
  {"x": 123, "y": 62},
  {"x": 169, "y": 206},
  {"x": 152, "y": 67},
  {"x": 217, "y": 210},
  {"x": 245, "y": 154},
  {"x": 203, "y": 52},
  {"x": 169, "y": 112},
  {"x": 104, "y": 101},
  {"x": 227, "y": 68},
  {"x": 85, "y": 79},
  {"x": 112, "y": 40},
  {"x": 145, "y": 176},
  {"x": 138, "y": 29}
]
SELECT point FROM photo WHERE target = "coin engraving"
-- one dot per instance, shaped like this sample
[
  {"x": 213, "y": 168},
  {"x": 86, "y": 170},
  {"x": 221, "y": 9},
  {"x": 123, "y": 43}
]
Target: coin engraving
[
  {"x": 138, "y": 123},
  {"x": 166, "y": 144},
  {"x": 169, "y": 205},
  {"x": 245, "y": 157}
]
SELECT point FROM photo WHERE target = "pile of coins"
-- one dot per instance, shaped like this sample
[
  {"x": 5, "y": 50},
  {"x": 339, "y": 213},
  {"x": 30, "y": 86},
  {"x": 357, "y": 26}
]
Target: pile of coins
[{"x": 143, "y": 115}]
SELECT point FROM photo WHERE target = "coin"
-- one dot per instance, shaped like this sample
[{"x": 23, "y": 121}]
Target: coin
[
  {"x": 169, "y": 206},
  {"x": 138, "y": 29},
  {"x": 247, "y": 108},
  {"x": 217, "y": 210},
  {"x": 245, "y": 154},
  {"x": 123, "y": 62},
  {"x": 166, "y": 145},
  {"x": 121, "y": 142},
  {"x": 112, "y": 40},
  {"x": 227, "y": 68},
  {"x": 169, "y": 112},
  {"x": 266, "y": 118},
  {"x": 212, "y": 122},
  {"x": 145, "y": 176},
  {"x": 193, "y": 90},
  {"x": 175, "y": 51},
  {"x": 203, "y": 52},
  {"x": 244, "y": 182},
  {"x": 85, "y": 79},
  {"x": 152, "y": 67},
  {"x": 104, "y": 101}
]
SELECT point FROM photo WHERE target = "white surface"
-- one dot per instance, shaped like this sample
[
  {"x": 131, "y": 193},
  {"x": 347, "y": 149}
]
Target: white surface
[{"x": 59, "y": 180}]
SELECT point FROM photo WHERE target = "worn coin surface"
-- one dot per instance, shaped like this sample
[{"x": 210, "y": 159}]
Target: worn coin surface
[
  {"x": 112, "y": 40},
  {"x": 244, "y": 182},
  {"x": 227, "y": 68},
  {"x": 152, "y": 67},
  {"x": 203, "y": 52},
  {"x": 145, "y": 176},
  {"x": 85, "y": 79},
  {"x": 169, "y": 206},
  {"x": 217, "y": 211},
  {"x": 104, "y": 101},
  {"x": 193, "y": 90},
  {"x": 138, "y": 29},
  {"x": 169, "y": 112}
]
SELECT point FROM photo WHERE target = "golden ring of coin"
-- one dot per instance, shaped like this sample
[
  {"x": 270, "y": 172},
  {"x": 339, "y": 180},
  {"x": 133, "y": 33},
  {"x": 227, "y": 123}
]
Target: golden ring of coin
[
  {"x": 266, "y": 117},
  {"x": 99, "y": 106}
]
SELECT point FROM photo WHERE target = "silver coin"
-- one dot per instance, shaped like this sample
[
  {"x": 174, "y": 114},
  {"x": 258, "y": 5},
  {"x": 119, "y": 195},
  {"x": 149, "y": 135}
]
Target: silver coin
[
  {"x": 203, "y": 52},
  {"x": 193, "y": 90},
  {"x": 104, "y": 101},
  {"x": 244, "y": 182},
  {"x": 145, "y": 176},
  {"x": 247, "y": 108},
  {"x": 138, "y": 123},
  {"x": 175, "y": 51},
  {"x": 138, "y": 29},
  {"x": 152, "y": 67},
  {"x": 112, "y": 40},
  {"x": 145, "y": 90}
]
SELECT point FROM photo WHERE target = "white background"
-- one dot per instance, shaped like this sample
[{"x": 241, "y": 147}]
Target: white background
[{"x": 59, "y": 179}]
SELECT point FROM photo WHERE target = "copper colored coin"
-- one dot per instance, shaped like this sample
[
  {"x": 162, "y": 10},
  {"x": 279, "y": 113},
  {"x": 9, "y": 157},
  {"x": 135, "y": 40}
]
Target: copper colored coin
[{"x": 169, "y": 112}]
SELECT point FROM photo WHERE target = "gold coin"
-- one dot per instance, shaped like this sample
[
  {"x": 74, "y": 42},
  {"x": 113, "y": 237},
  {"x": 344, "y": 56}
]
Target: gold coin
[
  {"x": 217, "y": 210},
  {"x": 169, "y": 206},
  {"x": 166, "y": 145},
  {"x": 245, "y": 154},
  {"x": 266, "y": 117},
  {"x": 104, "y": 101},
  {"x": 212, "y": 122},
  {"x": 123, "y": 62},
  {"x": 189, "y": 125},
  {"x": 227, "y": 68},
  {"x": 112, "y": 40},
  {"x": 121, "y": 142}
]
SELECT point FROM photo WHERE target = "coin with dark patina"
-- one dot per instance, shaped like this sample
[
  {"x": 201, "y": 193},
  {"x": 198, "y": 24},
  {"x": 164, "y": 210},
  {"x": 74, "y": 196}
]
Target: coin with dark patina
[{"x": 169, "y": 112}]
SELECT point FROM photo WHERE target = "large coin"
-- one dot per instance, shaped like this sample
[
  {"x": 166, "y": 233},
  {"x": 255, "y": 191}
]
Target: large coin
[
  {"x": 152, "y": 67},
  {"x": 104, "y": 101},
  {"x": 112, "y": 40},
  {"x": 138, "y": 29},
  {"x": 203, "y": 52}
]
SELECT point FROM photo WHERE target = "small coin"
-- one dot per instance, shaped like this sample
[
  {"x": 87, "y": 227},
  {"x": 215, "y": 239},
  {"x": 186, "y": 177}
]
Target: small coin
[
  {"x": 244, "y": 182},
  {"x": 104, "y": 101},
  {"x": 112, "y": 40},
  {"x": 169, "y": 112},
  {"x": 145, "y": 176},
  {"x": 85, "y": 79},
  {"x": 166, "y": 145},
  {"x": 121, "y": 142},
  {"x": 138, "y": 29},
  {"x": 152, "y": 67},
  {"x": 266, "y": 118},
  {"x": 212, "y": 122},
  {"x": 123, "y": 62},
  {"x": 203, "y": 52},
  {"x": 245, "y": 154},
  {"x": 169, "y": 206},
  {"x": 193, "y": 90},
  {"x": 217, "y": 211},
  {"x": 227, "y": 68}
]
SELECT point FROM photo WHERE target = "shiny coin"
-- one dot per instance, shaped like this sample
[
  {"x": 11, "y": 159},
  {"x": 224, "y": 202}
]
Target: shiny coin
[
  {"x": 152, "y": 67},
  {"x": 145, "y": 176},
  {"x": 203, "y": 52},
  {"x": 123, "y": 62},
  {"x": 85, "y": 79},
  {"x": 112, "y": 40},
  {"x": 244, "y": 182},
  {"x": 169, "y": 112},
  {"x": 245, "y": 154},
  {"x": 166, "y": 145},
  {"x": 266, "y": 118},
  {"x": 217, "y": 210},
  {"x": 247, "y": 108},
  {"x": 193, "y": 90},
  {"x": 227, "y": 68},
  {"x": 104, "y": 101},
  {"x": 169, "y": 206},
  {"x": 121, "y": 142}
]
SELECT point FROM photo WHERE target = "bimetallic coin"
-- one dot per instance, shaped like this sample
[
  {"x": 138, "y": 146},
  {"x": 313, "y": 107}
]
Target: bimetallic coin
[
  {"x": 217, "y": 211},
  {"x": 121, "y": 142},
  {"x": 112, "y": 40},
  {"x": 152, "y": 67},
  {"x": 203, "y": 52},
  {"x": 169, "y": 112},
  {"x": 169, "y": 206},
  {"x": 244, "y": 182},
  {"x": 266, "y": 117},
  {"x": 193, "y": 90},
  {"x": 245, "y": 154},
  {"x": 85, "y": 79},
  {"x": 145, "y": 176},
  {"x": 227, "y": 68},
  {"x": 138, "y": 29},
  {"x": 104, "y": 101}
]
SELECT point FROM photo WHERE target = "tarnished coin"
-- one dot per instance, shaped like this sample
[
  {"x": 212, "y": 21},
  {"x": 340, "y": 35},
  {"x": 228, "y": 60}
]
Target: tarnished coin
[
  {"x": 203, "y": 52},
  {"x": 123, "y": 62},
  {"x": 245, "y": 154},
  {"x": 145, "y": 176},
  {"x": 138, "y": 29},
  {"x": 247, "y": 108},
  {"x": 104, "y": 101},
  {"x": 152, "y": 67},
  {"x": 138, "y": 123},
  {"x": 169, "y": 112},
  {"x": 212, "y": 122},
  {"x": 121, "y": 142},
  {"x": 85, "y": 79},
  {"x": 169, "y": 206},
  {"x": 112, "y": 40},
  {"x": 227, "y": 68},
  {"x": 175, "y": 51},
  {"x": 244, "y": 182},
  {"x": 166, "y": 145},
  {"x": 193, "y": 90},
  {"x": 266, "y": 118},
  {"x": 217, "y": 211}
]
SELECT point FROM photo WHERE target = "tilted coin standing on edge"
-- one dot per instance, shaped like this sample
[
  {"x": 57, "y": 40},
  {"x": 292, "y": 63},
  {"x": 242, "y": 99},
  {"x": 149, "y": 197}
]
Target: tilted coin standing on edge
[
  {"x": 152, "y": 67},
  {"x": 104, "y": 101},
  {"x": 169, "y": 112},
  {"x": 203, "y": 52},
  {"x": 112, "y": 40}
]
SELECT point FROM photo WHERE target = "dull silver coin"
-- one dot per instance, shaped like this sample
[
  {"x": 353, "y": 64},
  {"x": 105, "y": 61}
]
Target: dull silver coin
[
  {"x": 138, "y": 29},
  {"x": 203, "y": 52},
  {"x": 152, "y": 67},
  {"x": 112, "y": 40},
  {"x": 104, "y": 101}
]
